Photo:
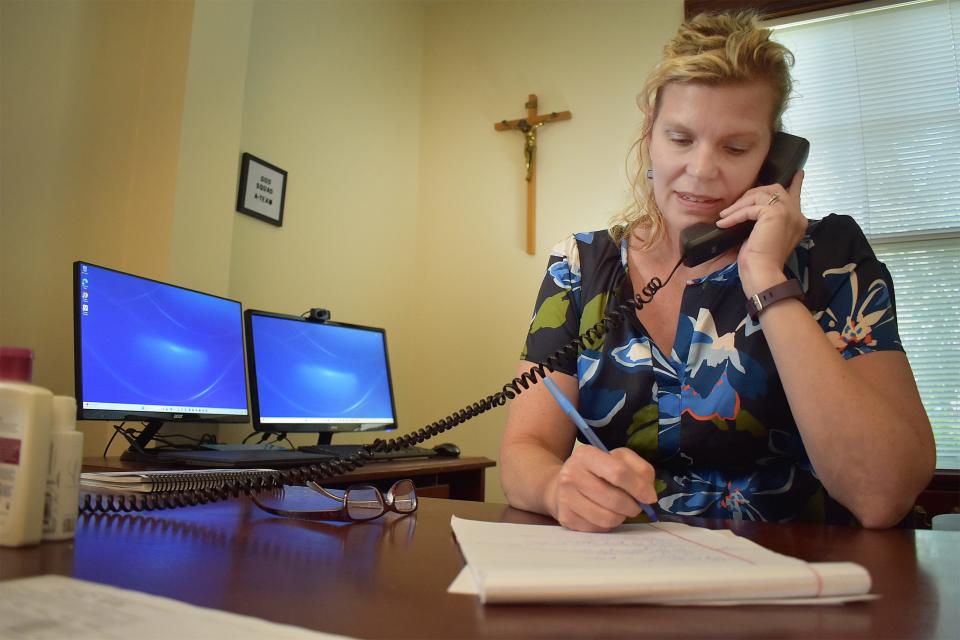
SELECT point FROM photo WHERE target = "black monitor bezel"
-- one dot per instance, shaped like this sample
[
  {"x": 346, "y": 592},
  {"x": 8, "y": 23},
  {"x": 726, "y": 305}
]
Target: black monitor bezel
[
  {"x": 140, "y": 416},
  {"x": 314, "y": 427}
]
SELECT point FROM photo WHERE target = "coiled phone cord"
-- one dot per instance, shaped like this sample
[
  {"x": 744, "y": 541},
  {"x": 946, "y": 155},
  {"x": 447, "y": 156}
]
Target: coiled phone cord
[{"x": 235, "y": 487}]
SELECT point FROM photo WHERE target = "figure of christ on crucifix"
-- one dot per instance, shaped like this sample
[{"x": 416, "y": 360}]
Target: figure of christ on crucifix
[
  {"x": 529, "y": 127},
  {"x": 530, "y": 146}
]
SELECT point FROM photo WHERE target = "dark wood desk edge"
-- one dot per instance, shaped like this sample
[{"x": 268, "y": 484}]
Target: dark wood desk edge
[
  {"x": 457, "y": 478},
  {"x": 415, "y": 466},
  {"x": 945, "y": 480},
  {"x": 942, "y": 495}
]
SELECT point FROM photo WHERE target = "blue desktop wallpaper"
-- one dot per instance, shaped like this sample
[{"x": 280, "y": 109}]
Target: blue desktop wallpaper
[
  {"x": 316, "y": 370},
  {"x": 149, "y": 343}
]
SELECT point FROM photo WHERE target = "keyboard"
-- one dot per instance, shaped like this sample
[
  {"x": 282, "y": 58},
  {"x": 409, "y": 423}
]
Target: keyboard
[
  {"x": 242, "y": 447},
  {"x": 254, "y": 458},
  {"x": 347, "y": 450}
]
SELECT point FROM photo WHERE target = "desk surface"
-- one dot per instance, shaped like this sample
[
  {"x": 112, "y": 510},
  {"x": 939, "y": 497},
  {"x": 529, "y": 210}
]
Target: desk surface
[{"x": 388, "y": 578}]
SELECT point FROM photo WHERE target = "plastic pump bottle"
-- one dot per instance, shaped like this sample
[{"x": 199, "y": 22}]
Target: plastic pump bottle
[
  {"x": 63, "y": 475},
  {"x": 25, "y": 412}
]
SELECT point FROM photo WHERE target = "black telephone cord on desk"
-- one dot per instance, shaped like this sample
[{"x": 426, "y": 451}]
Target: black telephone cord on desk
[{"x": 235, "y": 487}]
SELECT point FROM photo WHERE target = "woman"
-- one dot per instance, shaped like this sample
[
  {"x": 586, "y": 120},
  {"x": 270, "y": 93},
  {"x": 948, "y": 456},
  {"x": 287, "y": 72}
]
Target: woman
[{"x": 808, "y": 412}]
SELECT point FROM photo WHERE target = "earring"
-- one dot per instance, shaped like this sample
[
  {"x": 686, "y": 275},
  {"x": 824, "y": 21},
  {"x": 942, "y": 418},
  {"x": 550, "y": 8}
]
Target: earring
[{"x": 649, "y": 174}]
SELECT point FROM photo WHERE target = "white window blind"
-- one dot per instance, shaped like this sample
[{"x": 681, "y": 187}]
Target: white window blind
[{"x": 877, "y": 93}]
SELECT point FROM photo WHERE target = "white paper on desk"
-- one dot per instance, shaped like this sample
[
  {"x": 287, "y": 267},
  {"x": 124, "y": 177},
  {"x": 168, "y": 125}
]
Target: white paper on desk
[
  {"x": 49, "y": 607},
  {"x": 463, "y": 584},
  {"x": 646, "y": 563}
]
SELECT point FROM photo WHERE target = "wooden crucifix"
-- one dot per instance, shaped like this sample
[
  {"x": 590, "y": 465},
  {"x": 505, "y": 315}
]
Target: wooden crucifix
[{"x": 529, "y": 126}]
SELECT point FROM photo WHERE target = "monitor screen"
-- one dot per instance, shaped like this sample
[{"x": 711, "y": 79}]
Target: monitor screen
[
  {"x": 317, "y": 377},
  {"x": 145, "y": 350}
]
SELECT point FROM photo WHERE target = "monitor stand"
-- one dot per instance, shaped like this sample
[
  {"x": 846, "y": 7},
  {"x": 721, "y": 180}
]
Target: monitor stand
[
  {"x": 324, "y": 447},
  {"x": 138, "y": 451},
  {"x": 236, "y": 456}
]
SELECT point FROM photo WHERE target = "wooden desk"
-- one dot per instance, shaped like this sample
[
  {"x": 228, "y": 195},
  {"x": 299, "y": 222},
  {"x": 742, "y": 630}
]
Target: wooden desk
[
  {"x": 388, "y": 578},
  {"x": 942, "y": 495},
  {"x": 455, "y": 478}
]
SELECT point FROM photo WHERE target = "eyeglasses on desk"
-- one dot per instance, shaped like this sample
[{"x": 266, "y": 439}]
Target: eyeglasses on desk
[{"x": 358, "y": 503}]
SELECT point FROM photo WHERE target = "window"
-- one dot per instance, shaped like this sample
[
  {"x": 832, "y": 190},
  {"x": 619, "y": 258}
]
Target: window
[{"x": 876, "y": 93}]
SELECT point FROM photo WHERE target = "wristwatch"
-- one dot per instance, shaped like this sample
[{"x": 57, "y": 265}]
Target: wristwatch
[{"x": 757, "y": 303}]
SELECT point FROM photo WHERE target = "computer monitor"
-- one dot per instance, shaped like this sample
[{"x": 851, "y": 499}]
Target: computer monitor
[
  {"x": 317, "y": 377},
  {"x": 149, "y": 351}
]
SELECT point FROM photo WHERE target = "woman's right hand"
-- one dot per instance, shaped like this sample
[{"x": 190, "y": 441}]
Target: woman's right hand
[{"x": 596, "y": 491}]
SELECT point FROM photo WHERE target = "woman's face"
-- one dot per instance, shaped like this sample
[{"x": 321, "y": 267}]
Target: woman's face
[{"x": 706, "y": 148}]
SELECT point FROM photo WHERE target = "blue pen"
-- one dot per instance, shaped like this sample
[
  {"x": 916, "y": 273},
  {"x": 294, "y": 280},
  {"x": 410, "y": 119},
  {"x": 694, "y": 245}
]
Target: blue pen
[{"x": 586, "y": 430}]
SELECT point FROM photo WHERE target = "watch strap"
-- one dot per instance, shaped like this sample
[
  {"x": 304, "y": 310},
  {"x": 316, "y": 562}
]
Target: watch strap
[{"x": 760, "y": 301}]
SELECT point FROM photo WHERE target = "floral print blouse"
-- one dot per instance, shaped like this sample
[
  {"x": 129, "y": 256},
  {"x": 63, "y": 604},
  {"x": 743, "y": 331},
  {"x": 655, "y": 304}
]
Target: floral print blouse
[{"x": 711, "y": 414}]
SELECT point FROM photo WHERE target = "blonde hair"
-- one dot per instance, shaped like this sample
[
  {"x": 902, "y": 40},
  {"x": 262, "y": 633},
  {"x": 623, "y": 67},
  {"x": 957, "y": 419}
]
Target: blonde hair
[{"x": 725, "y": 48}]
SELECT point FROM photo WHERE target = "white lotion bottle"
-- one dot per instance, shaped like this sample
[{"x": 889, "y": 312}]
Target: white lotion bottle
[
  {"x": 63, "y": 474},
  {"x": 25, "y": 412}
]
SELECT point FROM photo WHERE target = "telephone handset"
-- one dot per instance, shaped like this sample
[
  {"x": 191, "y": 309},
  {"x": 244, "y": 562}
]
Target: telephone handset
[
  {"x": 787, "y": 155},
  {"x": 704, "y": 240}
]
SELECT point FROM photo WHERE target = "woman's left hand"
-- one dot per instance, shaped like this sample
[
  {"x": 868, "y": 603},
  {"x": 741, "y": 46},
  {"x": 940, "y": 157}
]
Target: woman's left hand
[{"x": 779, "y": 228}]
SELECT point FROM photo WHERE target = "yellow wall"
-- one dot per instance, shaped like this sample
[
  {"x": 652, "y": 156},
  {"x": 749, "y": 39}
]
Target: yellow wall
[
  {"x": 333, "y": 97},
  {"x": 122, "y": 123},
  {"x": 90, "y": 113},
  {"x": 477, "y": 285},
  {"x": 206, "y": 187}
]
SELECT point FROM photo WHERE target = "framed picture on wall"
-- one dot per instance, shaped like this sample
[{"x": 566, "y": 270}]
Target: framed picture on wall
[{"x": 262, "y": 189}]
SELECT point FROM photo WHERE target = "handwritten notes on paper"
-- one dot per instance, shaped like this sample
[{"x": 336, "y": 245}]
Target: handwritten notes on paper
[{"x": 647, "y": 563}]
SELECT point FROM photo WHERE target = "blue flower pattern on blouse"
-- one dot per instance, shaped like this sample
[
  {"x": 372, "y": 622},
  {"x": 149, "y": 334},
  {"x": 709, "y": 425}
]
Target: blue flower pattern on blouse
[{"x": 711, "y": 415}]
